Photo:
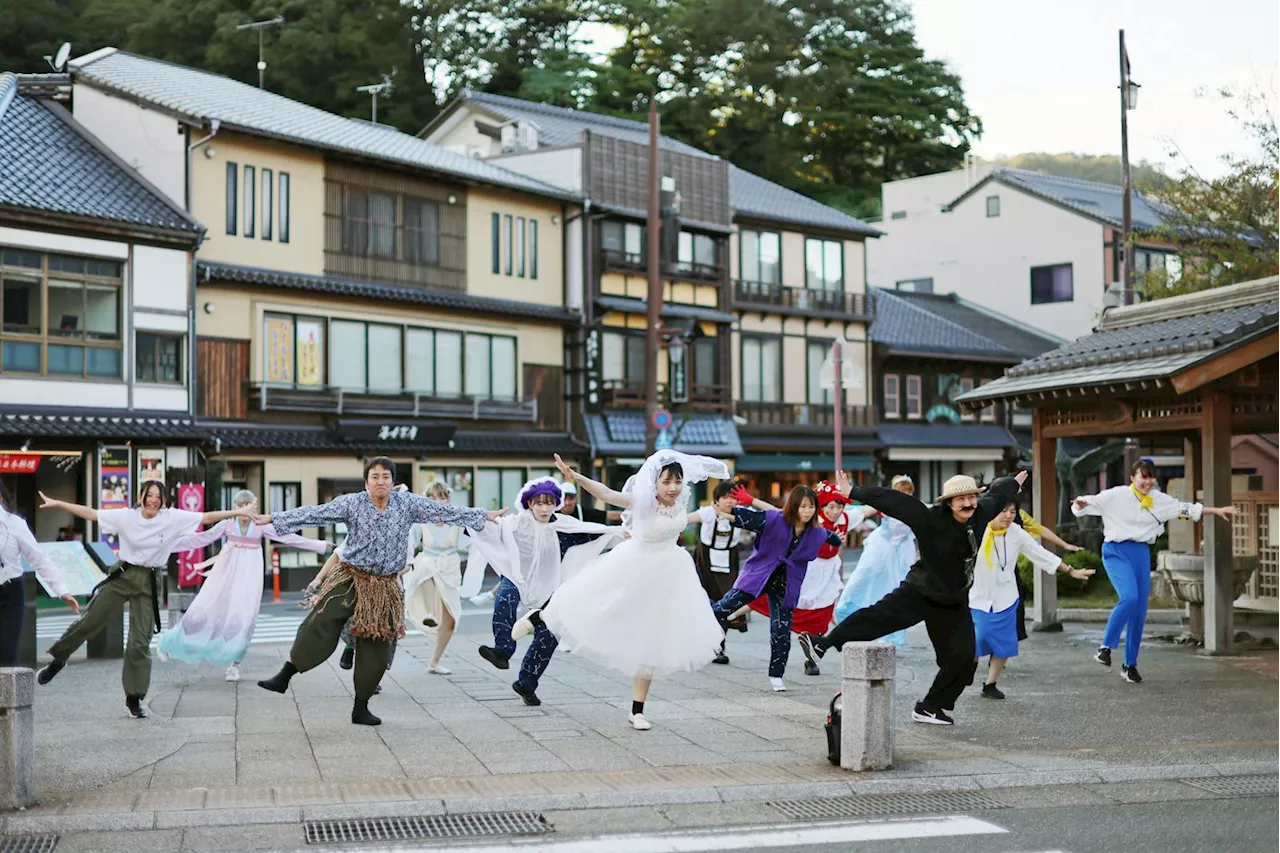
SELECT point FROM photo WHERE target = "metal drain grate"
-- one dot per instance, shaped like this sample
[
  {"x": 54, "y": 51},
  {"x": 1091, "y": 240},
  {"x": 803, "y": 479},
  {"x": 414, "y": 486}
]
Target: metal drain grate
[
  {"x": 434, "y": 826},
  {"x": 1237, "y": 786},
  {"x": 877, "y": 805},
  {"x": 28, "y": 843}
]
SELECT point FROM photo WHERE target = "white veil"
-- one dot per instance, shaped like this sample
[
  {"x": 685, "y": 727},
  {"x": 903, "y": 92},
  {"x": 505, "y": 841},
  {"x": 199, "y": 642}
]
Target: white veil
[{"x": 643, "y": 487}]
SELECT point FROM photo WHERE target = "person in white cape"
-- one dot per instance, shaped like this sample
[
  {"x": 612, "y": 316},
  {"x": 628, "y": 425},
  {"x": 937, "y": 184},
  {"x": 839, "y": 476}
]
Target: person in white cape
[
  {"x": 640, "y": 609},
  {"x": 534, "y": 551}
]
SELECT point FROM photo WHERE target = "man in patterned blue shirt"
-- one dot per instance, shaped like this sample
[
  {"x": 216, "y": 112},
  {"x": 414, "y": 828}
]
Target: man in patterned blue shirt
[{"x": 365, "y": 587}]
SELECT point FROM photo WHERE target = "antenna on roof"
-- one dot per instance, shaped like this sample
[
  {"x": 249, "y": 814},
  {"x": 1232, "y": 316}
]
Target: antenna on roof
[
  {"x": 375, "y": 89},
  {"x": 277, "y": 21},
  {"x": 58, "y": 61}
]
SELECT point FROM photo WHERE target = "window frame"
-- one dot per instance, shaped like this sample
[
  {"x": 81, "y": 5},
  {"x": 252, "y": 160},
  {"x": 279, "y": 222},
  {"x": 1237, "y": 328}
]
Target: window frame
[
  {"x": 1069, "y": 266},
  {"x": 742, "y": 256},
  {"x": 760, "y": 341},
  {"x": 282, "y": 227},
  {"x": 990, "y": 199},
  {"x": 808, "y": 279},
  {"x": 987, "y": 414},
  {"x": 828, "y": 397},
  {"x": 533, "y": 248},
  {"x": 495, "y": 235},
  {"x": 508, "y": 229},
  {"x": 898, "y": 285},
  {"x": 967, "y": 384},
  {"x": 268, "y": 200},
  {"x": 521, "y": 243},
  {"x": 250, "y": 200},
  {"x": 892, "y": 411},
  {"x": 232, "y": 197},
  {"x": 282, "y": 486},
  {"x": 917, "y": 397},
  {"x": 157, "y": 337}
]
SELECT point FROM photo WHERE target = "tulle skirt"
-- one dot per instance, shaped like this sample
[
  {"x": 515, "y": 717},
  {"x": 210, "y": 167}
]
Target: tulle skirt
[
  {"x": 219, "y": 624},
  {"x": 638, "y": 609},
  {"x": 881, "y": 569},
  {"x": 822, "y": 584},
  {"x": 431, "y": 587}
]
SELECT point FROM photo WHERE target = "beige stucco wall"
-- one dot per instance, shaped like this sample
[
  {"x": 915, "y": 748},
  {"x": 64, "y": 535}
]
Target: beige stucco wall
[
  {"x": 304, "y": 253},
  {"x": 238, "y": 313},
  {"x": 548, "y": 287}
]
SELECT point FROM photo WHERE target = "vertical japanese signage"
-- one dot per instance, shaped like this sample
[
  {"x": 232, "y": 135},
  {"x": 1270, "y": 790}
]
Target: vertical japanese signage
[
  {"x": 310, "y": 349},
  {"x": 279, "y": 349},
  {"x": 191, "y": 499},
  {"x": 113, "y": 483}
]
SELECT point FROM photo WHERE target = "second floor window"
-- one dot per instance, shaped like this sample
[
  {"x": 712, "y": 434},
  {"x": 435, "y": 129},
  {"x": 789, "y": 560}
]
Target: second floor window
[
  {"x": 368, "y": 223},
  {"x": 622, "y": 357},
  {"x": 993, "y": 206},
  {"x": 1051, "y": 284},
  {"x": 233, "y": 196},
  {"x": 818, "y": 352},
  {"x": 697, "y": 254},
  {"x": 267, "y": 203},
  {"x": 62, "y": 315},
  {"x": 760, "y": 257},
  {"x": 892, "y": 396},
  {"x": 623, "y": 241},
  {"x": 284, "y": 207},
  {"x": 761, "y": 370},
  {"x": 250, "y": 199},
  {"x": 158, "y": 357},
  {"x": 421, "y": 232},
  {"x": 915, "y": 397},
  {"x": 966, "y": 385},
  {"x": 823, "y": 264}
]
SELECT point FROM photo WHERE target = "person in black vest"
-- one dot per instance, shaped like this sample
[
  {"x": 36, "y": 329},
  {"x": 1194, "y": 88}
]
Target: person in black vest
[{"x": 936, "y": 590}]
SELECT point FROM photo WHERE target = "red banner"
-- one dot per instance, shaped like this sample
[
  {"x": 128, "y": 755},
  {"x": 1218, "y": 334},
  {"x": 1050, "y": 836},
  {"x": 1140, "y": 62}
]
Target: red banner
[
  {"x": 191, "y": 499},
  {"x": 19, "y": 463}
]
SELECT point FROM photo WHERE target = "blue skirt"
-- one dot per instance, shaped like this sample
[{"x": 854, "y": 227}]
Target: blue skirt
[{"x": 996, "y": 633}]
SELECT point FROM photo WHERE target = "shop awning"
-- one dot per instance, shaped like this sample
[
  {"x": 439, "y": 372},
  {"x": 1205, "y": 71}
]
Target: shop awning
[{"x": 768, "y": 462}]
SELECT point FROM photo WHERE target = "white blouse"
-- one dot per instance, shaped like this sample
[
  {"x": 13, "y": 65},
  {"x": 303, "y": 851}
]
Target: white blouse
[
  {"x": 719, "y": 535},
  {"x": 995, "y": 581},
  {"x": 1124, "y": 519},
  {"x": 17, "y": 542}
]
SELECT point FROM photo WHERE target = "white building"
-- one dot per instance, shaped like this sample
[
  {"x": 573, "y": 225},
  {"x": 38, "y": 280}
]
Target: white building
[{"x": 1037, "y": 248}]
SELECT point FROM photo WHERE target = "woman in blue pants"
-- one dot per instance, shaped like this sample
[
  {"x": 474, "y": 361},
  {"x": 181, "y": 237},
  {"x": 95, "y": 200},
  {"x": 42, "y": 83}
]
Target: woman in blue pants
[{"x": 1133, "y": 517}]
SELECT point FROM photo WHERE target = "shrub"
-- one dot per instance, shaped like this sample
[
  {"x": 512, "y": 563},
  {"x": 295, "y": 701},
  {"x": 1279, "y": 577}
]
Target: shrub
[{"x": 1068, "y": 585}]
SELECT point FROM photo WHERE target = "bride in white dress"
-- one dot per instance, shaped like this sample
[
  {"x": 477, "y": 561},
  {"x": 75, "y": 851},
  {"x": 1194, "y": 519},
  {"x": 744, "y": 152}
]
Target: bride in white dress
[{"x": 640, "y": 608}]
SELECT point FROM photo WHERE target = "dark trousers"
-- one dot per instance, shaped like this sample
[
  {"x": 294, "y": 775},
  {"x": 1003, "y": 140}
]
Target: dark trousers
[
  {"x": 319, "y": 633},
  {"x": 779, "y": 617},
  {"x": 136, "y": 587},
  {"x": 12, "y": 607},
  {"x": 950, "y": 630},
  {"x": 506, "y": 602}
]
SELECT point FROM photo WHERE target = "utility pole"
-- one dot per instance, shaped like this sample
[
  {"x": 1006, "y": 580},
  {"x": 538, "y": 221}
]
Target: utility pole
[
  {"x": 837, "y": 398},
  {"x": 1126, "y": 228},
  {"x": 653, "y": 261},
  {"x": 277, "y": 21}
]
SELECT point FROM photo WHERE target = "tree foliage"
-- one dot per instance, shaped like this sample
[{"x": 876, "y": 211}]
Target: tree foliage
[{"x": 1103, "y": 168}]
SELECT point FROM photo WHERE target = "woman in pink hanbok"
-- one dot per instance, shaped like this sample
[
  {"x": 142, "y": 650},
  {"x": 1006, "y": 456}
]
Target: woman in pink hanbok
[{"x": 219, "y": 624}]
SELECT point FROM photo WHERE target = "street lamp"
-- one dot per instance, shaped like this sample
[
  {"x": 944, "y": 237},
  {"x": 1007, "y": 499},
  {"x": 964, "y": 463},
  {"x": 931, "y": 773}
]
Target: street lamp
[{"x": 1131, "y": 96}]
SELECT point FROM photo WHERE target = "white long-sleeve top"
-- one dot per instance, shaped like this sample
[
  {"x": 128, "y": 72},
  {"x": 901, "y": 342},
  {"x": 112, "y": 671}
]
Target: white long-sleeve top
[
  {"x": 17, "y": 542},
  {"x": 1125, "y": 520},
  {"x": 995, "y": 581}
]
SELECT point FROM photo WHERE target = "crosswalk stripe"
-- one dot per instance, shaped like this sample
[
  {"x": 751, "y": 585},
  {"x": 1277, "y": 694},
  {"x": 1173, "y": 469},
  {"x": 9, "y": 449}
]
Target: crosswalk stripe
[{"x": 270, "y": 629}]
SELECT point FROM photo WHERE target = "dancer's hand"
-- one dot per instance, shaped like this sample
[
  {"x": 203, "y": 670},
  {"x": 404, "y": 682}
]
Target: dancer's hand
[
  {"x": 570, "y": 475},
  {"x": 741, "y": 495},
  {"x": 1071, "y": 548},
  {"x": 1080, "y": 574},
  {"x": 261, "y": 520},
  {"x": 71, "y": 600},
  {"x": 48, "y": 502},
  {"x": 1021, "y": 478},
  {"x": 1081, "y": 502},
  {"x": 494, "y": 514},
  {"x": 844, "y": 483}
]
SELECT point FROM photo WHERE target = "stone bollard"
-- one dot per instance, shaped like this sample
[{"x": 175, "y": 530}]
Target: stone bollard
[
  {"x": 178, "y": 604},
  {"x": 866, "y": 720},
  {"x": 17, "y": 738}
]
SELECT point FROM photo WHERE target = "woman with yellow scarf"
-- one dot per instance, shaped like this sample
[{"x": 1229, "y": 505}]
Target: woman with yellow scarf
[
  {"x": 993, "y": 598},
  {"x": 1133, "y": 517}
]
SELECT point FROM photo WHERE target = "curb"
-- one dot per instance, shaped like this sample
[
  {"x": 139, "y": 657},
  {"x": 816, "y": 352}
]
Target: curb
[
  {"x": 20, "y": 824},
  {"x": 1097, "y": 614}
]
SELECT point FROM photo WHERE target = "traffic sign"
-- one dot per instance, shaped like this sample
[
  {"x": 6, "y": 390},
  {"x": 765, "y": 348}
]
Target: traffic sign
[
  {"x": 663, "y": 441},
  {"x": 661, "y": 419}
]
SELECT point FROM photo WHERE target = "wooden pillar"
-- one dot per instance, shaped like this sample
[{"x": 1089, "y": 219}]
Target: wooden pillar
[
  {"x": 1194, "y": 475},
  {"x": 1044, "y": 470},
  {"x": 1219, "y": 565}
]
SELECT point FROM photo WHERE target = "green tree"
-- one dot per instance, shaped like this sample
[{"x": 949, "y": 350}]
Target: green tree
[
  {"x": 33, "y": 29},
  {"x": 1103, "y": 168}
]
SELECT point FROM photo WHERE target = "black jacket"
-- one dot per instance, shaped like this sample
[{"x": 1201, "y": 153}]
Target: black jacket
[{"x": 944, "y": 572}]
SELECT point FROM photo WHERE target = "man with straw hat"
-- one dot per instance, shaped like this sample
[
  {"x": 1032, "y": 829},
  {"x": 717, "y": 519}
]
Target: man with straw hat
[{"x": 936, "y": 590}]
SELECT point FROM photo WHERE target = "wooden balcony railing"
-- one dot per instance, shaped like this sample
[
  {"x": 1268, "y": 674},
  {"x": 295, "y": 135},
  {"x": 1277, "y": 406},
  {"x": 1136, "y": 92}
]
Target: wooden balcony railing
[
  {"x": 339, "y": 401},
  {"x": 629, "y": 393},
  {"x": 815, "y": 415},
  {"x": 829, "y": 303},
  {"x": 616, "y": 260}
]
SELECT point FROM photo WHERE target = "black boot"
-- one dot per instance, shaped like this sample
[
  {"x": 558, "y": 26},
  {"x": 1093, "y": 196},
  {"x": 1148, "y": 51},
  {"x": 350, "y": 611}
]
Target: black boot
[
  {"x": 348, "y": 658},
  {"x": 529, "y": 697},
  {"x": 495, "y": 657},
  {"x": 279, "y": 682},
  {"x": 136, "y": 707},
  {"x": 49, "y": 670},
  {"x": 811, "y": 668},
  {"x": 361, "y": 716},
  {"x": 990, "y": 691}
]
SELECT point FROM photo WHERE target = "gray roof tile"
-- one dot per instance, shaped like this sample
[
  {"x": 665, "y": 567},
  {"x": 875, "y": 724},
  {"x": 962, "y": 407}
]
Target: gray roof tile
[
  {"x": 945, "y": 435},
  {"x": 51, "y": 164},
  {"x": 203, "y": 96},
  {"x": 949, "y": 326},
  {"x": 100, "y": 426},
  {"x": 1091, "y": 198},
  {"x": 749, "y": 195},
  {"x": 616, "y": 432}
]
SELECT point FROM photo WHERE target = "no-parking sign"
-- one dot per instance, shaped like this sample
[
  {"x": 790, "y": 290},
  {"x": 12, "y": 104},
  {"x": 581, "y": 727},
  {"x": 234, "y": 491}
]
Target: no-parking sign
[{"x": 661, "y": 419}]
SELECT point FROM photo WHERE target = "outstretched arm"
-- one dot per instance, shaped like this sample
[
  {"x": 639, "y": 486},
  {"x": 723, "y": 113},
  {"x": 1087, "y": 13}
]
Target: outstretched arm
[
  {"x": 1047, "y": 535},
  {"x": 293, "y": 520},
  {"x": 222, "y": 515},
  {"x": 906, "y": 508},
  {"x": 427, "y": 511},
  {"x": 593, "y": 487},
  {"x": 88, "y": 513},
  {"x": 1003, "y": 491}
]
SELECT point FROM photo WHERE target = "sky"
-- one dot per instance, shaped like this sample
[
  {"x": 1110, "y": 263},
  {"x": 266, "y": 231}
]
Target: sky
[{"x": 1043, "y": 75}]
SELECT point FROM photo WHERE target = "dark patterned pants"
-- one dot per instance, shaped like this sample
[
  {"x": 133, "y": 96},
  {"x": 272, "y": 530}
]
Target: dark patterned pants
[
  {"x": 536, "y": 660},
  {"x": 779, "y": 617}
]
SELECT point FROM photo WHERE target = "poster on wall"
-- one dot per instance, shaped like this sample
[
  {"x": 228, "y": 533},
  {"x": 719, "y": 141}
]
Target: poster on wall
[
  {"x": 191, "y": 499},
  {"x": 310, "y": 349},
  {"x": 279, "y": 355},
  {"x": 151, "y": 465},
  {"x": 113, "y": 484}
]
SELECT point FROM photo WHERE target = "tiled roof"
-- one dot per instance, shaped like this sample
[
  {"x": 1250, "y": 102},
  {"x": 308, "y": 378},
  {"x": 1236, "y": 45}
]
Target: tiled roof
[
  {"x": 946, "y": 325},
  {"x": 669, "y": 309},
  {"x": 238, "y": 435},
  {"x": 945, "y": 435},
  {"x": 214, "y": 271},
  {"x": 111, "y": 427},
  {"x": 202, "y": 96},
  {"x": 1100, "y": 201},
  {"x": 749, "y": 195},
  {"x": 1148, "y": 341},
  {"x": 621, "y": 433},
  {"x": 52, "y": 165},
  {"x": 513, "y": 441}
]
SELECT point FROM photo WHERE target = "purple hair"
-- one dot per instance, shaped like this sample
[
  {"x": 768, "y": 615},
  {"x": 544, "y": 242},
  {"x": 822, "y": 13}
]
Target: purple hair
[{"x": 541, "y": 487}]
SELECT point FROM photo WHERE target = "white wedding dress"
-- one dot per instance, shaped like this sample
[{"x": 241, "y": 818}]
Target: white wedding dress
[{"x": 639, "y": 608}]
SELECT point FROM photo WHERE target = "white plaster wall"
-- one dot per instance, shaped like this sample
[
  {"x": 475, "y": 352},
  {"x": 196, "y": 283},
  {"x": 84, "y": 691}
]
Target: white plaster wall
[
  {"x": 160, "y": 398},
  {"x": 560, "y": 167},
  {"x": 855, "y": 280},
  {"x": 574, "y": 274},
  {"x": 47, "y": 242},
  {"x": 927, "y": 193},
  {"x": 458, "y": 133},
  {"x": 161, "y": 278},
  {"x": 149, "y": 141},
  {"x": 55, "y": 393},
  {"x": 988, "y": 260},
  {"x": 147, "y": 322}
]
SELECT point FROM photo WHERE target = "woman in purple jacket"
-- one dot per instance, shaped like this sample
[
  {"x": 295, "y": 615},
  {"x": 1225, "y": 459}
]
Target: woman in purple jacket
[{"x": 786, "y": 541}]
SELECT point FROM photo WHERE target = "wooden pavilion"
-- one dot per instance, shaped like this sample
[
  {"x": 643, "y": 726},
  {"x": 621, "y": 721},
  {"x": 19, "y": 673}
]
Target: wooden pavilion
[{"x": 1200, "y": 367}]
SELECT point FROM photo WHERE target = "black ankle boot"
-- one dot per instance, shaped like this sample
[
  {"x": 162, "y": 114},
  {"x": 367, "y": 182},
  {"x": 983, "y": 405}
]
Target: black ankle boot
[
  {"x": 279, "y": 682},
  {"x": 348, "y": 658},
  {"x": 49, "y": 670},
  {"x": 361, "y": 716},
  {"x": 136, "y": 707},
  {"x": 495, "y": 657}
]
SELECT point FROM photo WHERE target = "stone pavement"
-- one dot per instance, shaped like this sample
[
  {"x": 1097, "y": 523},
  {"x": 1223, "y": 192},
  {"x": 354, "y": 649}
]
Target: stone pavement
[{"x": 229, "y": 754}]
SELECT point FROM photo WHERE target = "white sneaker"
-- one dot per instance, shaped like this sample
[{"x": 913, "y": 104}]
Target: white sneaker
[
  {"x": 524, "y": 627},
  {"x": 440, "y": 669},
  {"x": 482, "y": 599},
  {"x": 638, "y": 722},
  {"x": 779, "y": 686},
  {"x": 233, "y": 672},
  {"x": 161, "y": 655}
]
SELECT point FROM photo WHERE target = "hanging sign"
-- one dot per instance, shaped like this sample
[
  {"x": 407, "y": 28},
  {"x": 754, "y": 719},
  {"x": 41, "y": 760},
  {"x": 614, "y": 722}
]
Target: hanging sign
[
  {"x": 19, "y": 463},
  {"x": 191, "y": 499}
]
